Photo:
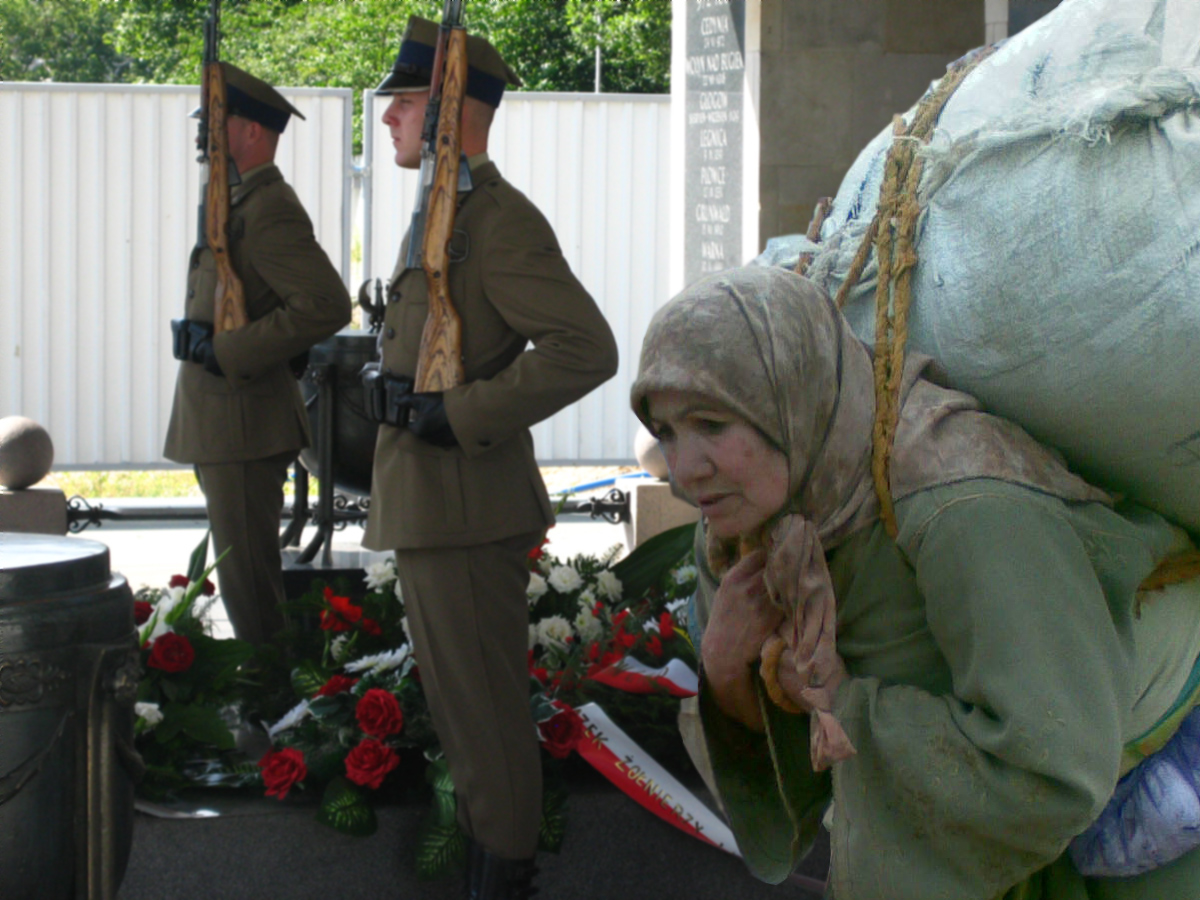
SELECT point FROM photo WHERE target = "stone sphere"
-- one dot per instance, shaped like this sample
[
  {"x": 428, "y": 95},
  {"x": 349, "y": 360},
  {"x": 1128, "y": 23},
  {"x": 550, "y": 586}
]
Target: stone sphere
[
  {"x": 26, "y": 452},
  {"x": 649, "y": 454}
]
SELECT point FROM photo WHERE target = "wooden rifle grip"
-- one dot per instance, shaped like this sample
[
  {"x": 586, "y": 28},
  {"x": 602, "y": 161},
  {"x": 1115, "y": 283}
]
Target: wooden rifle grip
[
  {"x": 229, "y": 301},
  {"x": 439, "y": 366}
]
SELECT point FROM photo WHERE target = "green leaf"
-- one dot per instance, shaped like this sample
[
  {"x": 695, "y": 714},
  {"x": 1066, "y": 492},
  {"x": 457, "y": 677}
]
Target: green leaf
[
  {"x": 554, "y": 820},
  {"x": 648, "y": 563},
  {"x": 440, "y": 845},
  {"x": 345, "y": 809},
  {"x": 308, "y": 678},
  {"x": 200, "y": 723},
  {"x": 217, "y": 660},
  {"x": 334, "y": 709},
  {"x": 198, "y": 559},
  {"x": 437, "y": 773}
]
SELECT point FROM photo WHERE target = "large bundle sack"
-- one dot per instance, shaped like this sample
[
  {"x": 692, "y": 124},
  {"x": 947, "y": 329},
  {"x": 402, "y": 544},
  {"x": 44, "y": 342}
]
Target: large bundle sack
[{"x": 1059, "y": 242}]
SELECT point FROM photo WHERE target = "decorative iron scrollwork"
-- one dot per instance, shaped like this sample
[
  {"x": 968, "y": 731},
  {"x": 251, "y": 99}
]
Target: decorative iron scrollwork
[
  {"x": 81, "y": 514},
  {"x": 24, "y": 682}
]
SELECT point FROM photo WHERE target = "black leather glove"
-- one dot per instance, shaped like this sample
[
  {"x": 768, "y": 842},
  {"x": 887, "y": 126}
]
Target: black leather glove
[
  {"x": 193, "y": 342},
  {"x": 427, "y": 419},
  {"x": 201, "y": 349}
]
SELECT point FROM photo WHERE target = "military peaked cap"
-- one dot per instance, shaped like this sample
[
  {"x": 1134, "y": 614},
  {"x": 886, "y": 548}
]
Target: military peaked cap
[
  {"x": 254, "y": 99},
  {"x": 487, "y": 72}
]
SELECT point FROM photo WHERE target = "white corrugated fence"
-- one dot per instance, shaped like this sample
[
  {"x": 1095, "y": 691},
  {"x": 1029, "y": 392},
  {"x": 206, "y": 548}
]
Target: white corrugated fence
[{"x": 98, "y": 199}]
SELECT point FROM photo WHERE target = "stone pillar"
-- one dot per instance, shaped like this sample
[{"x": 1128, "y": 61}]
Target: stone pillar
[
  {"x": 834, "y": 72},
  {"x": 715, "y": 135},
  {"x": 774, "y": 99}
]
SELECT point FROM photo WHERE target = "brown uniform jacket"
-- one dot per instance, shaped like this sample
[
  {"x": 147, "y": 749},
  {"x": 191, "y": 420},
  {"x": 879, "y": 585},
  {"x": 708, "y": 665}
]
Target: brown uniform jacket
[
  {"x": 511, "y": 286},
  {"x": 294, "y": 297}
]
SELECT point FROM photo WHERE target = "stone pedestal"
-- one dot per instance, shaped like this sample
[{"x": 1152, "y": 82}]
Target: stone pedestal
[
  {"x": 652, "y": 510},
  {"x": 33, "y": 511}
]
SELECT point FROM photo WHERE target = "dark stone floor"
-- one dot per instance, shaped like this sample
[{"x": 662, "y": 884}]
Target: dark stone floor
[{"x": 260, "y": 849}]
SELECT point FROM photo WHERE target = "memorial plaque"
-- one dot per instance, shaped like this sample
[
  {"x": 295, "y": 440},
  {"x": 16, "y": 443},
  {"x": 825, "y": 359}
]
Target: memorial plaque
[{"x": 716, "y": 41}]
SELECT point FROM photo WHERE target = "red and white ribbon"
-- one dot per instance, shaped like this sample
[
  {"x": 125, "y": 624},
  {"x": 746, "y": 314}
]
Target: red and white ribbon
[
  {"x": 616, "y": 756},
  {"x": 635, "y": 677}
]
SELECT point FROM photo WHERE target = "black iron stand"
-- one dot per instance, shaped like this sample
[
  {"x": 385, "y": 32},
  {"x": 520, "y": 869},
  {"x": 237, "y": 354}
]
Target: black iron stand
[{"x": 334, "y": 511}]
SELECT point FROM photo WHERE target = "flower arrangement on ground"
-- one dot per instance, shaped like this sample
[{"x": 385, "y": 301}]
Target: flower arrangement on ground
[
  {"x": 349, "y": 719},
  {"x": 183, "y": 704}
]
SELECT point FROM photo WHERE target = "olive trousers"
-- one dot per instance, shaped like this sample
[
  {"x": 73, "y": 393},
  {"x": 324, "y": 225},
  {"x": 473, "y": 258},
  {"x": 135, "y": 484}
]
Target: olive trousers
[
  {"x": 245, "y": 505},
  {"x": 469, "y": 619}
]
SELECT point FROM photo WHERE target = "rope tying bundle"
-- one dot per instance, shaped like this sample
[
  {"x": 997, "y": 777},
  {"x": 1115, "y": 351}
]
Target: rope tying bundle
[{"x": 891, "y": 234}]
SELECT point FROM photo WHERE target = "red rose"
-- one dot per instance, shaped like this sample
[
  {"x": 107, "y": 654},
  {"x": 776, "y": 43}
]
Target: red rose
[
  {"x": 336, "y": 685},
  {"x": 562, "y": 731},
  {"x": 370, "y": 626},
  {"x": 654, "y": 645},
  {"x": 281, "y": 769},
  {"x": 624, "y": 639},
  {"x": 666, "y": 626},
  {"x": 178, "y": 581},
  {"x": 171, "y": 652},
  {"x": 342, "y": 613},
  {"x": 142, "y": 611},
  {"x": 378, "y": 713},
  {"x": 209, "y": 588},
  {"x": 369, "y": 762}
]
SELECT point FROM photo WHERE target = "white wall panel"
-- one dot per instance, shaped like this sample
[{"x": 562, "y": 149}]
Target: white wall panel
[
  {"x": 596, "y": 165},
  {"x": 98, "y": 198}
]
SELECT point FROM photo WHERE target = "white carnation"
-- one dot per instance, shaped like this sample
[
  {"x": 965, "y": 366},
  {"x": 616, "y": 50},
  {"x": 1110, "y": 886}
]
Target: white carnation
[
  {"x": 380, "y": 575},
  {"x": 587, "y": 596},
  {"x": 404, "y": 625},
  {"x": 337, "y": 649},
  {"x": 537, "y": 587},
  {"x": 291, "y": 719},
  {"x": 545, "y": 564},
  {"x": 149, "y": 712},
  {"x": 685, "y": 574},
  {"x": 676, "y": 604},
  {"x": 379, "y": 662},
  {"x": 609, "y": 584},
  {"x": 564, "y": 579},
  {"x": 589, "y": 627},
  {"x": 553, "y": 631},
  {"x": 533, "y": 636},
  {"x": 399, "y": 593}
]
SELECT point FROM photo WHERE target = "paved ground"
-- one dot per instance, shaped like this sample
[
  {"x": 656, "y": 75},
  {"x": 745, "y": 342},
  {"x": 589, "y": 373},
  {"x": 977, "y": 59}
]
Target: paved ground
[{"x": 264, "y": 850}]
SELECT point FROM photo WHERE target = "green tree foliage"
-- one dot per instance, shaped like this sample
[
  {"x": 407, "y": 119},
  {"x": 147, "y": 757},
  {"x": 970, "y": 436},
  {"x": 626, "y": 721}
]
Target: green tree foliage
[
  {"x": 331, "y": 43},
  {"x": 58, "y": 40}
]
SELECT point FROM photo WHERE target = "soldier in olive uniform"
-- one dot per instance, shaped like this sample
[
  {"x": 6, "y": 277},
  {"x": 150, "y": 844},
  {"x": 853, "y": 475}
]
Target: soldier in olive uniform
[
  {"x": 456, "y": 490},
  {"x": 238, "y": 415}
]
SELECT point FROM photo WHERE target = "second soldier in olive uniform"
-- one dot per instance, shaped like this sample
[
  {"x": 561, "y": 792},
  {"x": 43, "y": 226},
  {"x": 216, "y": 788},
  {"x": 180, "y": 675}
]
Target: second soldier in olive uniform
[
  {"x": 456, "y": 490},
  {"x": 238, "y": 415}
]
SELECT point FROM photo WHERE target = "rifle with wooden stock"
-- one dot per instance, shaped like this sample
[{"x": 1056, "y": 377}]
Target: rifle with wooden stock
[
  {"x": 229, "y": 301},
  {"x": 439, "y": 365}
]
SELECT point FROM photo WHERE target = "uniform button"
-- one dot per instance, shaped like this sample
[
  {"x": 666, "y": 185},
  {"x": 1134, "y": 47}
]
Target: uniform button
[
  {"x": 195, "y": 263},
  {"x": 390, "y": 333},
  {"x": 191, "y": 293}
]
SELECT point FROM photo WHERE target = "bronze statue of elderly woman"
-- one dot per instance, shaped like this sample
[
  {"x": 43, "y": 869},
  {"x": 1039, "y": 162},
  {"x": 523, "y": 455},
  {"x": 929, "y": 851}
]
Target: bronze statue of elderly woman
[{"x": 981, "y": 701}]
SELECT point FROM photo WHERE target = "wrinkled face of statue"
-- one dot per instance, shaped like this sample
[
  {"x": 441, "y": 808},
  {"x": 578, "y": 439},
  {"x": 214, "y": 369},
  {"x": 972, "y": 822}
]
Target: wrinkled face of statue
[
  {"x": 722, "y": 463},
  {"x": 405, "y": 117}
]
